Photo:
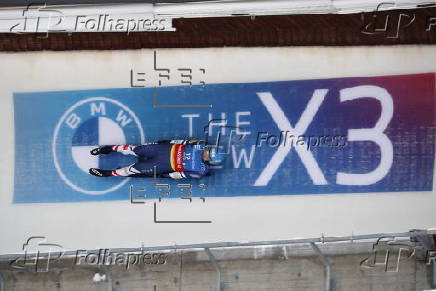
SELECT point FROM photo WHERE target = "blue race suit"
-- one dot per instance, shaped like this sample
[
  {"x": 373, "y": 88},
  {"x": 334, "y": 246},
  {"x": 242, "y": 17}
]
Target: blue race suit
[{"x": 171, "y": 158}]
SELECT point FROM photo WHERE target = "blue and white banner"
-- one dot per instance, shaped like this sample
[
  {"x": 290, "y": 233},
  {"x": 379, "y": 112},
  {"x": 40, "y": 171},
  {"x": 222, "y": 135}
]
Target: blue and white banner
[{"x": 294, "y": 137}]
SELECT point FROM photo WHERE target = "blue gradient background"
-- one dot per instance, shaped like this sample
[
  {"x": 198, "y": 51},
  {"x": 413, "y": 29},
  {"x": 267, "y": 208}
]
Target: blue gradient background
[{"x": 411, "y": 130}]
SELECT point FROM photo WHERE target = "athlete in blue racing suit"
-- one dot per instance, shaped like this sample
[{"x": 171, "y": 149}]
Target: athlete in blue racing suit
[{"x": 175, "y": 159}]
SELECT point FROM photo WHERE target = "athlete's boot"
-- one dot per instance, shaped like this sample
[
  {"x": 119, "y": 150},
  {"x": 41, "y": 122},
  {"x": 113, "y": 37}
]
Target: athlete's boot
[
  {"x": 100, "y": 172},
  {"x": 102, "y": 150}
]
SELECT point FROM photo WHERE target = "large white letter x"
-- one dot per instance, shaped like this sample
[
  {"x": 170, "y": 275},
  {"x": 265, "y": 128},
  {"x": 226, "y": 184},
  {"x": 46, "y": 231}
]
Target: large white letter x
[{"x": 283, "y": 124}]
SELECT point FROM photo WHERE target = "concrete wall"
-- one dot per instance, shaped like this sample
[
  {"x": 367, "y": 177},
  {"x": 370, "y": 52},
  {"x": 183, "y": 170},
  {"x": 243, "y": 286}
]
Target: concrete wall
[{"x": 271, "y": 271}]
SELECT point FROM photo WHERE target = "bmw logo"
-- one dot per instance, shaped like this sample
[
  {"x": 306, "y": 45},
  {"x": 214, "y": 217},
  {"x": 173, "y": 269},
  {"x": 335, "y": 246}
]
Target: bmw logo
[{"x": 85, "y": 125}]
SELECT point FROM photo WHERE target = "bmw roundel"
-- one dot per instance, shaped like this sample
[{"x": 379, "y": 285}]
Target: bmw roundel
[{"x": 85, "y": 125}]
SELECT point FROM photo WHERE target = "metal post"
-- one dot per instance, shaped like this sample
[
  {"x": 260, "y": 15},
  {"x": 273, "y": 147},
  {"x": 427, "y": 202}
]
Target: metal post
[
  {"x": 108, "y": 277},
  {"x": 2, "y": 282},
  {"x": 326, "y": 264},
  {"x": 218, "y": 286},
  {"x": 434, "y": 273},
  {"x": 425, "y": 242}
]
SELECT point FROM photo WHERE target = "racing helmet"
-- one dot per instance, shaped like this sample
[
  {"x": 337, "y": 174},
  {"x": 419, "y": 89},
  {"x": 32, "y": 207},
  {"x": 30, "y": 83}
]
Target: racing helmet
[{"x": 215, "y": 157}]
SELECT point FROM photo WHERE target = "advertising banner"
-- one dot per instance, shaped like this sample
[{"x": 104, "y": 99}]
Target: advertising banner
[{"x": 345, "y": 135}]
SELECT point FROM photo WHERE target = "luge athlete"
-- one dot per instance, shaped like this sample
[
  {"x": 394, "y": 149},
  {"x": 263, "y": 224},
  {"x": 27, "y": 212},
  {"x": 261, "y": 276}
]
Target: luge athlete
[{"x": 175, "y": 159}]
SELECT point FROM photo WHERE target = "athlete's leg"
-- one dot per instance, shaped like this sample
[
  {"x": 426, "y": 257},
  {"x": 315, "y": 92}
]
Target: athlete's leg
[
  {"x": 142, "y": 168},
  {"x": 123, "y": 172},
  {"x": 151, "y": 156},
  {"x": 126, "y": 171},
  {"x": 150, "y": 167},
  {"x": 153, "y": 150},
  {"x": 125, "y": 149}
]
